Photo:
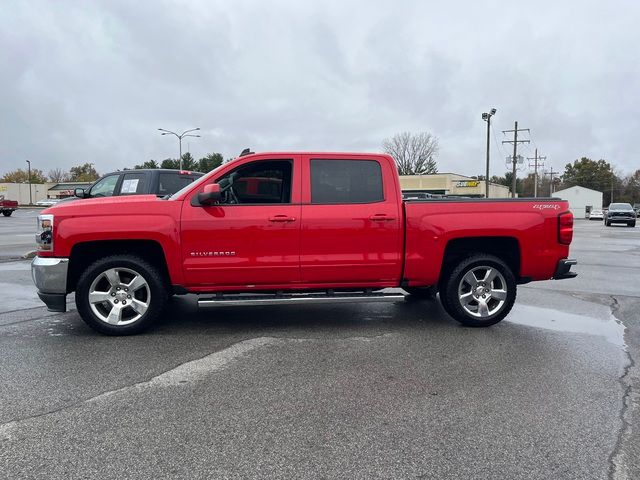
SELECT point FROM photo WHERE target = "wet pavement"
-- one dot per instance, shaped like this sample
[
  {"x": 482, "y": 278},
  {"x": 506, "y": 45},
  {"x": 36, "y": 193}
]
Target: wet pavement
[{"x": 344, "y": 391}]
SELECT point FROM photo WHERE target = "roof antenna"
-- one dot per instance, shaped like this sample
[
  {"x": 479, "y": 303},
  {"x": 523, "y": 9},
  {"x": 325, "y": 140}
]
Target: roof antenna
[{"x": 246, "y": 151}]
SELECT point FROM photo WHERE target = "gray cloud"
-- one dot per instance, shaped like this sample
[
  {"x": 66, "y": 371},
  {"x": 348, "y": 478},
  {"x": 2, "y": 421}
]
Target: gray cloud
[{"x": 92, "y": 81}]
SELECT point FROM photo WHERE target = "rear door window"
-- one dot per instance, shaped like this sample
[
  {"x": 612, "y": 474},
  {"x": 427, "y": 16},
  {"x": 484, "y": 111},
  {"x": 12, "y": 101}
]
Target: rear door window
[
  {"x": 170, "y": 183},
  {"x": 134, "y": 184},
  {"x": 346, "y": 181}
]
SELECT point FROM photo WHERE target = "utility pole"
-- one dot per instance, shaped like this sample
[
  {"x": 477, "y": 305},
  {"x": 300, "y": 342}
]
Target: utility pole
[
  {"x": 30, "y": 198},
  {"x": 611, "y": 187},
  {"x": 186, "y": 133},
  {"x": 514, "y": 159},
  {"x": 551, "y": 174},
  {"x": 536, "y": 163}
]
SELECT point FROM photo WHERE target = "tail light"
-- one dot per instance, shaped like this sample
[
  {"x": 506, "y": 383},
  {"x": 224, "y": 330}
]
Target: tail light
[
  {"x": 44, "y": 233},
  {"x": 565, "y": 228}
]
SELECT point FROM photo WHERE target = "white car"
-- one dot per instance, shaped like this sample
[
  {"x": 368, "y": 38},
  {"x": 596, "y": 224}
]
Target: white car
[
  {"x": 596, "y": 215},
  {"x": 49, "y": 202}
]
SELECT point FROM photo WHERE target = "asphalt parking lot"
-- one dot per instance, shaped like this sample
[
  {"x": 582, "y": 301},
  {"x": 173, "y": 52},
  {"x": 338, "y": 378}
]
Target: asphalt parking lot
[{"x": 345, "y": 391}]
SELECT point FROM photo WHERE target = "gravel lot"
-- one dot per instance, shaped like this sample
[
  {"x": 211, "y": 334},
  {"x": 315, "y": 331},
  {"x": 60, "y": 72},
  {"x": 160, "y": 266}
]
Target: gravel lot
[{"x": 345, "y": 391}]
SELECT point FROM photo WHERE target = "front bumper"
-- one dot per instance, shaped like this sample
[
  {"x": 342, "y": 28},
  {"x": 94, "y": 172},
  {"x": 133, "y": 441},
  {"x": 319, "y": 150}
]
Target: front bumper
[
  {"x": 563, "y": 270},
  {"x": 50, "y": 278},
  {"x": 622, "y": 218}
]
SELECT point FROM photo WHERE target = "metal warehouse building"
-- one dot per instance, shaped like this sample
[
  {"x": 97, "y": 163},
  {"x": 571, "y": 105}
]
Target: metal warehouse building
[{"x": 581, "y": 200}]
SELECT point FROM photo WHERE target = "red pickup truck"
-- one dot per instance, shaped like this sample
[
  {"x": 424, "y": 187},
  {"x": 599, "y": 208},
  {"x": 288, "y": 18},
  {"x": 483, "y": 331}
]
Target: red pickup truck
[
  {"x": 296, "y": 228},
  {"x": 7, "y": 207}
]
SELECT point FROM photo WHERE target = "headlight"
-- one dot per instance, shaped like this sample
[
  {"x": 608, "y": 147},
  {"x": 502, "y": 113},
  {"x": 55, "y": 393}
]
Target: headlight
[{"x": 44, "y": 232}]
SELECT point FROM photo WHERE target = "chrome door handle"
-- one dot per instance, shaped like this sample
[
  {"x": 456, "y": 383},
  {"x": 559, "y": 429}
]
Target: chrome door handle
[
  {"x": 282, "y": 218},
  {"x": 381, "y": 218}
]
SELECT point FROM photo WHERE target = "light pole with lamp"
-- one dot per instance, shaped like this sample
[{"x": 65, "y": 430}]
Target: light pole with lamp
[
  {"x": 186, "y": 133},
  {"x": 487, "y": 118},
  {"x": 29, "y": 170}
]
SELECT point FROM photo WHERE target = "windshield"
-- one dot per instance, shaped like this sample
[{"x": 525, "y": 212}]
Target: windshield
[{"x": 620, "y": 206}]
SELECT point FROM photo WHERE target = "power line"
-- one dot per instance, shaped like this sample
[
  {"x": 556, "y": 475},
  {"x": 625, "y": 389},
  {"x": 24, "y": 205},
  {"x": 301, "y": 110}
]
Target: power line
[
  {"x": 514, "y": 159},
  {"x": 536, "y": 163}
]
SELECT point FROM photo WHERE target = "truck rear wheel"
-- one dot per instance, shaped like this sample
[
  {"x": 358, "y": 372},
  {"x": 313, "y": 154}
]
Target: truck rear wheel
[
  {"x": 480, "y": 291},
  {"x": 7, "y": 213},
  {"x": 120, "y": 295}
]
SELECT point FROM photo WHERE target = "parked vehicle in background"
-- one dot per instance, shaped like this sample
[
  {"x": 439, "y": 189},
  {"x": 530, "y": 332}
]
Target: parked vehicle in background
[
  {"x": 296, "y": 228},
  {"x": 49, "y": 202},
  {"x": 620, "y": 213},
  {"x": 153, "y": 181},
  {"x": 636, "y": 207},
  {"x": 7, "y": 207},
  {"x": 596, "y": 214}
]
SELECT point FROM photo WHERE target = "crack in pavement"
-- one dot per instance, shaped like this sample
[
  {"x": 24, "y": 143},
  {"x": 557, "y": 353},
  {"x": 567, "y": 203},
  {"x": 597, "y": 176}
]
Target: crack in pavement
[
  {"x": 617, "y": 459},
  {"x": 184, "y": 373}
]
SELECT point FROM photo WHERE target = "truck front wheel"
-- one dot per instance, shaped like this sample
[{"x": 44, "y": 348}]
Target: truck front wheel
[
  {"x": 120, "y": 295},
  {"x": 480, "y": 291},
  {"x": 7, "y": 213}
]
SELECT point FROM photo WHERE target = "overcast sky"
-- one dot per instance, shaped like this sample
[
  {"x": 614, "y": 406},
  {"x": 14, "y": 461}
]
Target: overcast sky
[{"x": 93, "y": 81}]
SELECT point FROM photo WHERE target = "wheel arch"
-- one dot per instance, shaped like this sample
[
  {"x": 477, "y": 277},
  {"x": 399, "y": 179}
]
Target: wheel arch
[
  {"x": 85, "y": 253},
  {"x": 506, "y": 249}
]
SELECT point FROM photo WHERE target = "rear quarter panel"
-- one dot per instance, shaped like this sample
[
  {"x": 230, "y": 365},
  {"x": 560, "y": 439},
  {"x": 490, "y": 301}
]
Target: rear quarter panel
[{"x": 432, "y": 225}]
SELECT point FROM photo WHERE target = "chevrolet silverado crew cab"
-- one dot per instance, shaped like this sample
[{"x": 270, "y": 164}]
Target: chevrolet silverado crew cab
[{"x": 296, "y": 228}]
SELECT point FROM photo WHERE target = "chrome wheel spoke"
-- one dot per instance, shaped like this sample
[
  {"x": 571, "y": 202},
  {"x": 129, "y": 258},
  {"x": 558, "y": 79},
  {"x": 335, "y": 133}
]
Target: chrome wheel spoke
[
  {"x": 471, "y": 279},
  {"x": 483, "y": 308},
  {"x": 490, "y": 275},
  {"x": 499, "y": 294},
  {"x": 137, "y": 283},
  {"x": 138, "y": 306},
  {"x": 99, "y": 297},
  {"x": 465, "y": 298},
  {"x": 112, "y": 277},
  {"x": 115, "y": 315}
]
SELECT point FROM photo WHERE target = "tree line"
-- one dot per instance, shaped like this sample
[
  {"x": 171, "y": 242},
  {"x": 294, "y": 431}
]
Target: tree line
[{"x": 86, "y": 172}]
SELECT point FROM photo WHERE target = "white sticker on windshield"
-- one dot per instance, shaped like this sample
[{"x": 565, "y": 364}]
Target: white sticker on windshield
[{"x": 129, "y": 185}]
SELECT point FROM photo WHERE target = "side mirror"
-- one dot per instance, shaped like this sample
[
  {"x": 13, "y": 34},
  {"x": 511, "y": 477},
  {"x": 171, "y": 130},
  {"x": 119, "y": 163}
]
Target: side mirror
[
  {"x": 210, "y": 195},
  {"x": 79, "y": 192}
]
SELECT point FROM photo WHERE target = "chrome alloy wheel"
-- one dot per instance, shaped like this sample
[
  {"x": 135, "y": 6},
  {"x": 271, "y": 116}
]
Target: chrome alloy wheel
[
  {"x": 482, "y": 291},
  {"x": 119, "y": 296}
]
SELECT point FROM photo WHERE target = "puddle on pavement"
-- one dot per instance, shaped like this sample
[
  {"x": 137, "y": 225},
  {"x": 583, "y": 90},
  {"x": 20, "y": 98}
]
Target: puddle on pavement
[{"x": 605, "y": 326}]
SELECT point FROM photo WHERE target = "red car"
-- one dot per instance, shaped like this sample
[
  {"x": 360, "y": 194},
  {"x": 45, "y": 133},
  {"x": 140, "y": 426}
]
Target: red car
[
  {"x": 7, "y": 207},
  {"x": 296, "y": 228}
]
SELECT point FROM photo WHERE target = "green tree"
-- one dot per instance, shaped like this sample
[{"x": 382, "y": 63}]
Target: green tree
[
  {"x": 22, "y": 176},
  {"x": 83, "y": 173},
  {"x": 414, "y": 153},
  {"x": 147, "y": 164},
  {"x": 506, "y": 180},
  {"x": 209, "y": 162},
  {"x": 170, "y": 163}
]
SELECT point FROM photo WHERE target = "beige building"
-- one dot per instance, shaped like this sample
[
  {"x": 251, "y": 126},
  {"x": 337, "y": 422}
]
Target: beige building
[
  {"x": 451, "y": 184},
  {"x": 20, "y": 192}
]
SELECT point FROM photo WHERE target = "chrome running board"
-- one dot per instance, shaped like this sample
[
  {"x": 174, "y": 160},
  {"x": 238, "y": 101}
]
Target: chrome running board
[{"x": 224, "y": 300}]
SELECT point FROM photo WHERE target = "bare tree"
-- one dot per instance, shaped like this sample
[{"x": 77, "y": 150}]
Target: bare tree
[
  {"x": 414, "y": 153},
  {"x": 58, "y": 175}
]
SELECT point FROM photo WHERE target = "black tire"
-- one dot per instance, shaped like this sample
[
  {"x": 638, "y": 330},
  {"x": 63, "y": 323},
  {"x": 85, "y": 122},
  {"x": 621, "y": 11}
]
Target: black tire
[
  {"x": 153, "y": 292},
  {"x": 453, "y": 284},
  {"x": 422, "y": 293},
  {"x": 7, "y": 213},
  {"x": 607, "y": 224},
  {"x": 632, "y": 224}
]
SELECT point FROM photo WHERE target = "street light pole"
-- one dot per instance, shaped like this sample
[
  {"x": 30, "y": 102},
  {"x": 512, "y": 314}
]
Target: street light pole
[
  {"x": 487, "y": 118},
  {"x": 29, "y": 169},
  {"x": 186, "y": 133}
]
